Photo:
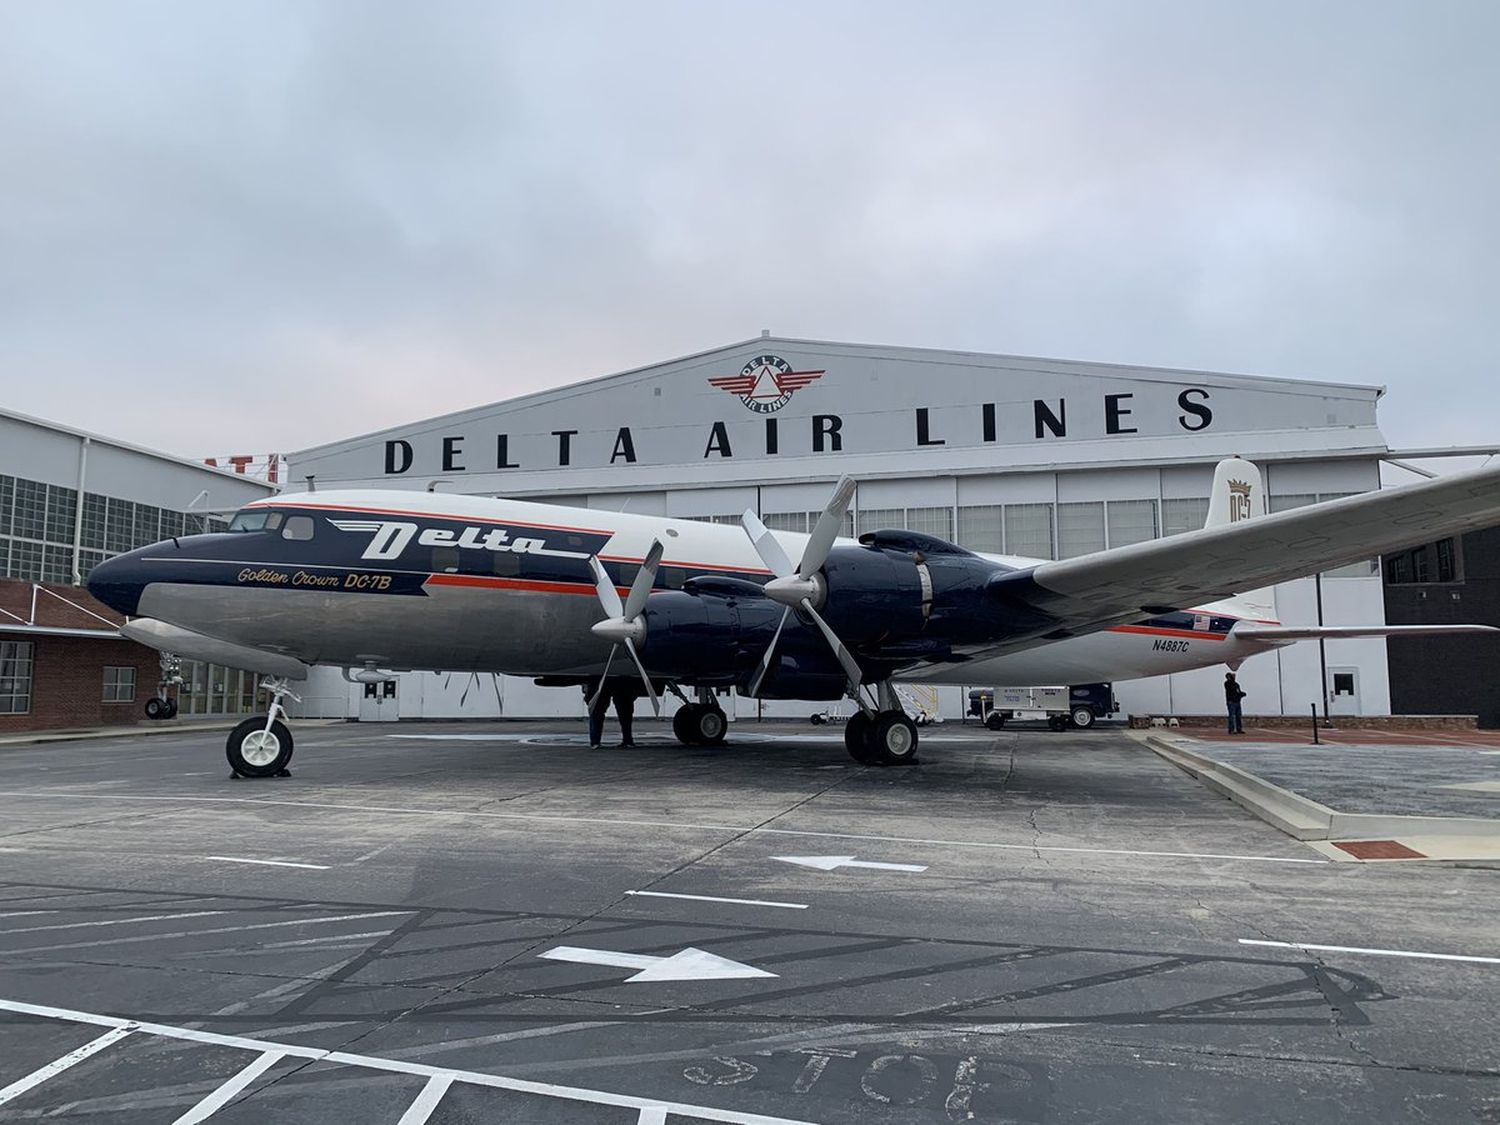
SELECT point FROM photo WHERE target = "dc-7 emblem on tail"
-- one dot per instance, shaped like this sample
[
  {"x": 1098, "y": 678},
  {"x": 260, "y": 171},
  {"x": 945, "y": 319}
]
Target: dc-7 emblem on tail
[{"x": 391, "y": 537}]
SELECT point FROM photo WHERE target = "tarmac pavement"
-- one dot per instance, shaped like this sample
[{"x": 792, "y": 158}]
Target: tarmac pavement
[{"x": 466, "y": 922}]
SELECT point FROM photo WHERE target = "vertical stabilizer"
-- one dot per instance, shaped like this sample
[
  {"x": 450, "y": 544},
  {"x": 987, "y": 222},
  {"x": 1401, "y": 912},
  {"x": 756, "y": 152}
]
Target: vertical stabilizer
[{"x": 1238, "y": 495}]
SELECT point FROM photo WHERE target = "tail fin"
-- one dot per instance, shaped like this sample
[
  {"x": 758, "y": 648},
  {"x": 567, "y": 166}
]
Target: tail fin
[{"x": 1238, "y": 495}]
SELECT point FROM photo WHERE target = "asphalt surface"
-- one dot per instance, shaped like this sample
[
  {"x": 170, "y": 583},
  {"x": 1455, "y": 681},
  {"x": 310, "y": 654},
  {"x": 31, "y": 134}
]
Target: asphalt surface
[
  {"x": 1417, "y": 779},
  {"x": 1072, "y": 949}
]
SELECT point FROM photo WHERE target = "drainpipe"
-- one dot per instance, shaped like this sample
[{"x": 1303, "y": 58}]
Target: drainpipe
[{"x": 83, "y": 476}]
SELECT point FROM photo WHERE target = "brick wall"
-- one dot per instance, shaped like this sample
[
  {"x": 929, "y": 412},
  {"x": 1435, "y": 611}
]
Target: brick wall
[{"x": 67, "y": 683}]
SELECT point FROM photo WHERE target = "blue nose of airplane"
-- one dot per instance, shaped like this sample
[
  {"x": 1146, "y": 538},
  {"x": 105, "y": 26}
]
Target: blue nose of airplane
[{"x": 118, "y": 582}]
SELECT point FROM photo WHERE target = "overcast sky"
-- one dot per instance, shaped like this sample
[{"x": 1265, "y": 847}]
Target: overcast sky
[{"x": 240, "y": 227}]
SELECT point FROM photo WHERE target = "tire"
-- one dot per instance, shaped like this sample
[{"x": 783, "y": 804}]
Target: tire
[
  {"x": 817, "y": 718},
  {"x": 156, "y": 708},
  {"x": 254, "y": 751},
  {"x": 685, "y": 724},
  {"x": 857, "y": 733},
  {"x": 894, "y": 739},
  {"x": 1082, "y": 718},
  {"x": 1057, "y": 722},
  {"x": 171, "y": 712},
  {"x": 711, "y": 726},
  {"x": 994, "y": 721}
]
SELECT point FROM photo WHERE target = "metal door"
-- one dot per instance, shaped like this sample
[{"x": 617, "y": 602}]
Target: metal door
[
  {"x": 1343, "y": 691},
  {"x": 377, "y": 703}
]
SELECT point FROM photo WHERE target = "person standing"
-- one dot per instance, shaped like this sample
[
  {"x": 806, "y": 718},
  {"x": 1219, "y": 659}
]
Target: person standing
[
  {"x": 623, "y": 698},
  {"x": 1233, "y": 693}
]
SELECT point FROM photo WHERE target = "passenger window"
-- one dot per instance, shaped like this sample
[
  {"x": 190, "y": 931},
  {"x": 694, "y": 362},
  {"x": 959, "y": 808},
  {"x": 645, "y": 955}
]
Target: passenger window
[
  {"x": 445, "y": 560},
  {"x": 297, "y": 527},
  {"x": 506, "y": 564}
]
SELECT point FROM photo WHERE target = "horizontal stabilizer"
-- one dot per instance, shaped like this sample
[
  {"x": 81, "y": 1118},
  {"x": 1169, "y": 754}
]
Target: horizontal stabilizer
[{"x": 1285, "y": 634}]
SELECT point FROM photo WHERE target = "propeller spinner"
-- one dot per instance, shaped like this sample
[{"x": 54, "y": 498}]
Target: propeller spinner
[{"x": 623, "y": 624}]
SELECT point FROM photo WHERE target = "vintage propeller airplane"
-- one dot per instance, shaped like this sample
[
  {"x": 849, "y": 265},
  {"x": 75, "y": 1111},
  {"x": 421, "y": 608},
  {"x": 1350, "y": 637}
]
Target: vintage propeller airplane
[{"x": 384, "y": 581}]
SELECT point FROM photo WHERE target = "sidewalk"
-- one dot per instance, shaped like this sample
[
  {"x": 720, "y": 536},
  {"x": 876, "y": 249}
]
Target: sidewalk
[{"x": 1354, "y": 800}]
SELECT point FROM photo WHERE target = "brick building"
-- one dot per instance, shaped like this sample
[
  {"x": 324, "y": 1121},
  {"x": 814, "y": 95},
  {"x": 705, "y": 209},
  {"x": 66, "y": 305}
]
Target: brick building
[{"x": 62, "y": 663}]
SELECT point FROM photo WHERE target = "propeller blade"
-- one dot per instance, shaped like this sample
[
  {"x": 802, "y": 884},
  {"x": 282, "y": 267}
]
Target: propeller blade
[
  {"x": 765, "y": 661},
  {"x": 766, "y": 546},
  {"x": 598, "y": 691},
  {"x": 609, "y": 597},
  {"x": 846, "y": 658},
  {"x": 826, "y": 530},
  {"x": 645, "y": 679},
  {"x": 645, "y": 578}
]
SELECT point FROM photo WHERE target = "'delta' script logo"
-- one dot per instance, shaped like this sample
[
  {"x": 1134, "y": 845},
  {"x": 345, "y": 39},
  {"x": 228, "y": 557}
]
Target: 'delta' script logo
[{"x": 766, "y": 383}]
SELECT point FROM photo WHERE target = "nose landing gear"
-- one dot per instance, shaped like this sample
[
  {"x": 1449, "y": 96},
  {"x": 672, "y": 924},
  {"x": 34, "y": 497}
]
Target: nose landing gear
[{"x": 262, "y": 747}]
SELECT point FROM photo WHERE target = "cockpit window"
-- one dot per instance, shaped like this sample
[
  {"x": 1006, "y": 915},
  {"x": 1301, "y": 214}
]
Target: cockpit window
[
  {"x": 298, "y": 527},
  {"x": 255, "y": 519}
]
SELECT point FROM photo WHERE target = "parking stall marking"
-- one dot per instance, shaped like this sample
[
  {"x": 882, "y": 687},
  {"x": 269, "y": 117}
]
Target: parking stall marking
[
  {"x": 269, "y": 862},
  {"x": 648, "y": 1109},
  {"x": 731, "y": 901},
  {"x": 57, "y": 1066},
  {"x": 220, "y": 1097},
  {"x": 1302, "y": 945}
]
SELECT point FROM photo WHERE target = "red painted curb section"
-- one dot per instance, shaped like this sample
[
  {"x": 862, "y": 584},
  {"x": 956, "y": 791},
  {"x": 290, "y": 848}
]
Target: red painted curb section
[{"x": 1377, "y": 849}]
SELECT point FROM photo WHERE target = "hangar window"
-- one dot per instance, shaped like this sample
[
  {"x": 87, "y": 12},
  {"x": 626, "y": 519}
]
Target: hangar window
[
  {"x": 93, "y": 521},
  {"x": 29, "y": 520},
  {"x": 1398, "y": 570},
  {"x": 26, "y": 560},
  {"x": 880, "y": 519},
  {"x": 57, "y": 564},
  {"x": 1178, "y": 516},
  {"x": 1447, "y": 561},
  {"x": 1131, "y": 521},
  {"x": 931, "y": 521},
  {"x": 785, "y": 521},
  {"x": 979, "y": 528},
  {"x": 119, "y": 685},
  {"x": 298, "y": 528},
  {"x": 7, "y": 502},
  {"x": 146, "y": 528},
  {"x": 119, "y": 525},
  {"x": 1028, "y": 530},
  {"x": 62, "y": 512},
  {"x": 1421, "y": 569},
  {"x": 1080, "y": 529},
  {"x": 15, "y": 677}
]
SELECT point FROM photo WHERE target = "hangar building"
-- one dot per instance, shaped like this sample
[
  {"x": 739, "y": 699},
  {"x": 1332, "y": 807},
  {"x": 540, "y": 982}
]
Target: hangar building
[
  {"x": 62, "y": 662},
  {"x": 1039, "y": 457}
]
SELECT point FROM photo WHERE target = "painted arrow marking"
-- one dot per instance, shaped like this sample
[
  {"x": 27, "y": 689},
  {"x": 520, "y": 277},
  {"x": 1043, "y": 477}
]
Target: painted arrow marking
[
  {"x": 830, "y": 862},
  {"x": 687, "y": 964}
]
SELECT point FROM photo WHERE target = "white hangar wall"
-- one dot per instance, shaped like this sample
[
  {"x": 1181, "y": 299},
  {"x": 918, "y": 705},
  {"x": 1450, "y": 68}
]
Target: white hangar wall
[{"x": 1001, "y": 453}]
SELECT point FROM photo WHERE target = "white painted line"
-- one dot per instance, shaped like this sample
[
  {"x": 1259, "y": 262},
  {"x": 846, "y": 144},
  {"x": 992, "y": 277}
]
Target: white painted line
[
  {"x": 686, "y": 964},
  {"x": 114, "y": 922},
  {"x": 597, "y": 822},
  {"x": 432, "y": 1093},
  {"x": 832, "y": 862},
  {"x": 23, "y": 913},
  {"x": 220, "y": 1097},
  {"x": 213, "y": 930},
  {"x": 269, "y": 862},
  {"x": 372, "y": 1062},
  {"x": 652, "y": 1115},
  {"x": 1373, "y": 952},
  {"x": 732, "y": 901},
  {"x": 57, "y": 1066}
]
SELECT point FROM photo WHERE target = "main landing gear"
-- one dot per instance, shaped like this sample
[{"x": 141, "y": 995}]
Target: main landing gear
[
  {"x": 702, "y": 723},
  {"x": 262, "y": 746},
  {"x": 885, "y": 737}
]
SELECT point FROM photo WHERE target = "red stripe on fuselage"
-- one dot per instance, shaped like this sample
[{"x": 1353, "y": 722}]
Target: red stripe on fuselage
[{"x": 1154, "y": 631}]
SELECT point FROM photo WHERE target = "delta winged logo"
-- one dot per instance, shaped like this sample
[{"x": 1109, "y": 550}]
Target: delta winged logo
[{"x": 766, "y": 383}]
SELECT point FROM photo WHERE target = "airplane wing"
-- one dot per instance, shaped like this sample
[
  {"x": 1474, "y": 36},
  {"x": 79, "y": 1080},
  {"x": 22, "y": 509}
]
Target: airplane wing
[
  {"x": 1286, "y": 634},
  {"x": 1107, "y": 588}
]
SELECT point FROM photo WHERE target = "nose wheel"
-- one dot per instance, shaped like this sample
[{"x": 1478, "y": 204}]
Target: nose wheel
[{"x": 262, "y": 746}]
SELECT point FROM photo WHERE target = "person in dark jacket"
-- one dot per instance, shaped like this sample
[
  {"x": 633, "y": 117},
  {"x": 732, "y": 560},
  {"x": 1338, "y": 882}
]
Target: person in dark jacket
[
  {"x": 623, "y": 698},
  {"x": 1233, "y": 693}
]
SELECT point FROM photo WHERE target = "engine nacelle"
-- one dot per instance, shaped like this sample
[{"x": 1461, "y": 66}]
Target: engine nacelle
[
  {"x": 872, "y": 594},
  {"x": 701, "y": 636}
]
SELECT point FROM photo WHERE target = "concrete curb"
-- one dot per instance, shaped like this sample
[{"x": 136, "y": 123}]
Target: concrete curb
[{"x": 1303, "y": 818}]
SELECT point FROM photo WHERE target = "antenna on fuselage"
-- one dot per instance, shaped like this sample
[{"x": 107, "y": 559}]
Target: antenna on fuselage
[
  {"x": 312, "y": 482},
  {"x": 432, "y": 484}
]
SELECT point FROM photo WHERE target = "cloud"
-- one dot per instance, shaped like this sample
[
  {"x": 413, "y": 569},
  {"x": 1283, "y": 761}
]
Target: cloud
[{"x": 225, "y": 229}]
